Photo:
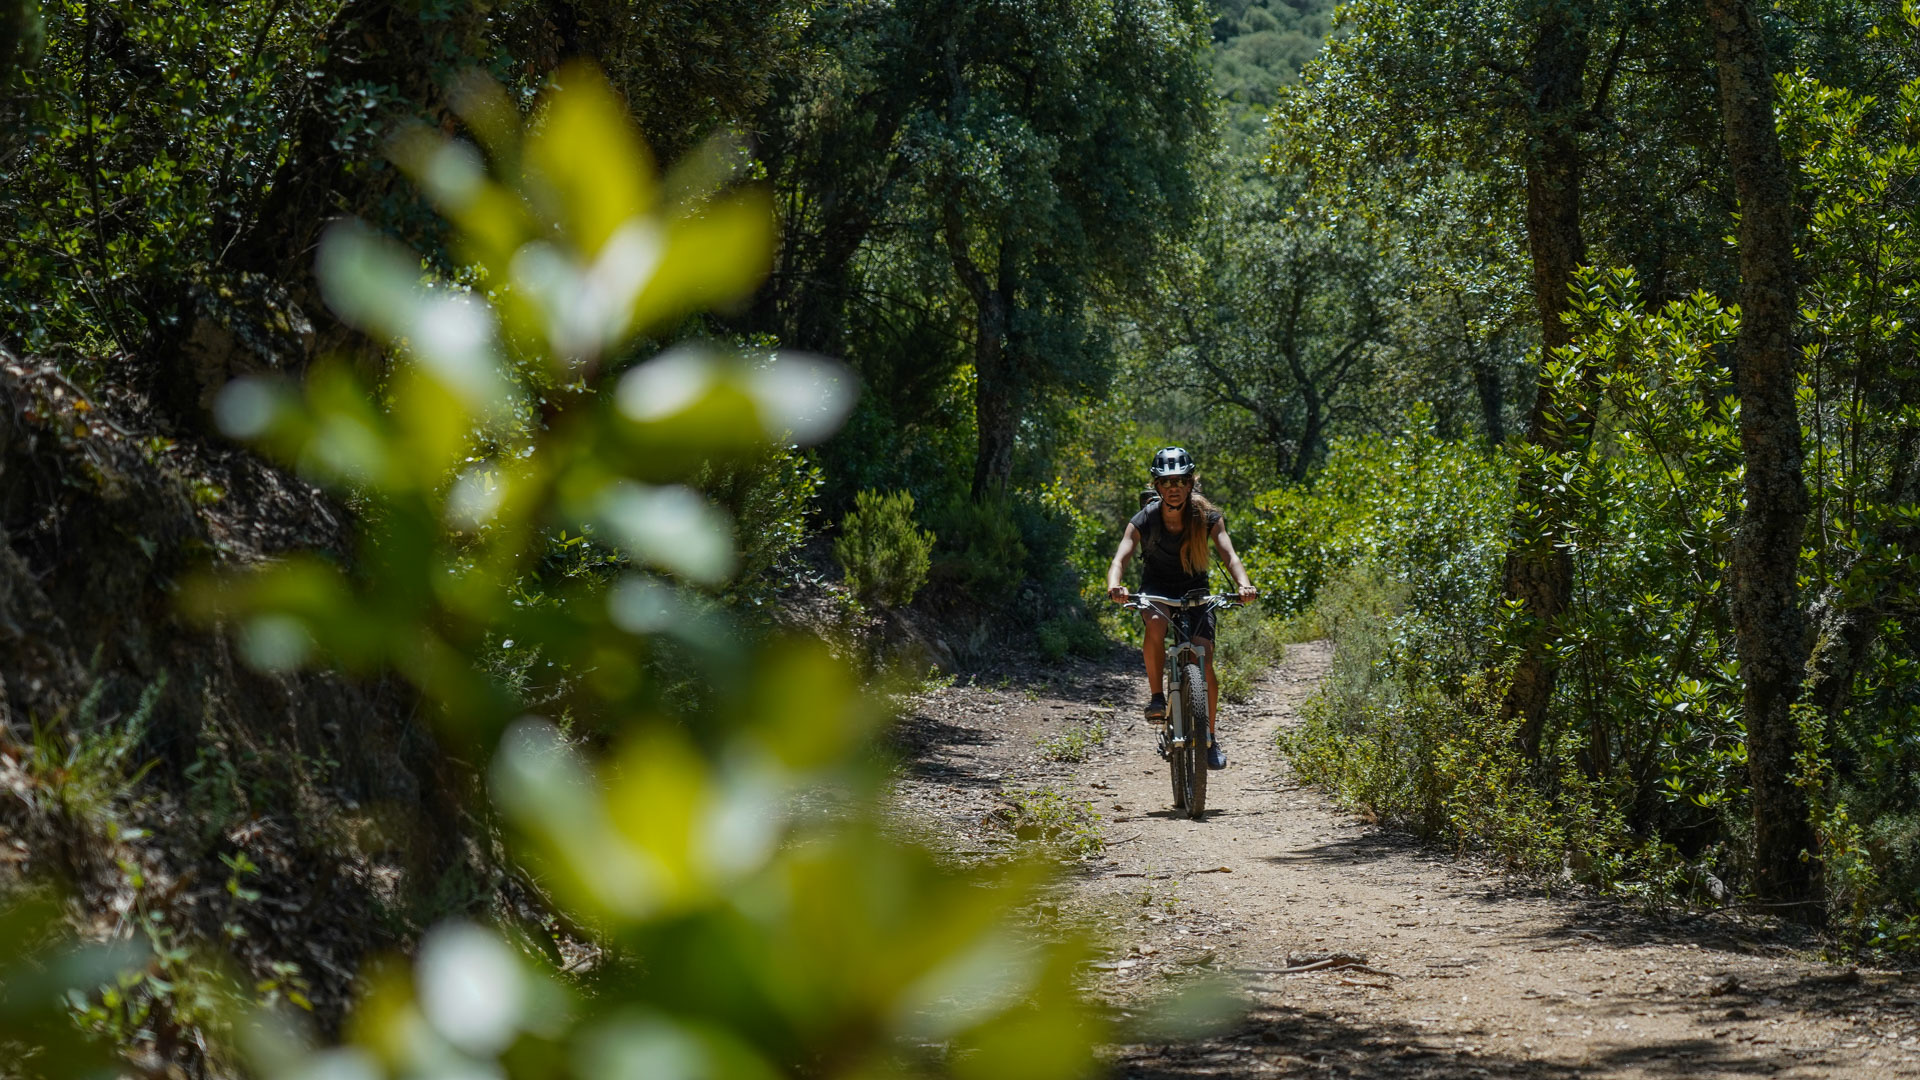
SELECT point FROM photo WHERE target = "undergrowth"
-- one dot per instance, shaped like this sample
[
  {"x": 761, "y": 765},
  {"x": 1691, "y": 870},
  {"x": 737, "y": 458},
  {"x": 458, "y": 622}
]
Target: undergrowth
[
  {"x": 1076, "y": 744},
  {"x": 1248, "y": 647},
  {"x": 1068, "y": 826}
]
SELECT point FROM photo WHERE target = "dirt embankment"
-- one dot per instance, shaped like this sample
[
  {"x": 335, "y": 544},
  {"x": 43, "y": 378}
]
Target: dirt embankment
[
  {"x": 1423, "y": 964},
  {"x": 298, "y": 821}
]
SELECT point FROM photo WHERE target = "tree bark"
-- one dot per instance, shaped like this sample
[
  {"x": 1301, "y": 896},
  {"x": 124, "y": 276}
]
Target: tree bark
[
  {"x": 996, "y": 406},
  {"x": 1486, "y": 380},
  {"x": 1539, "y": 572},
  {"x": 996, "y": 413},
  {"x": 1769, "y": 626}
]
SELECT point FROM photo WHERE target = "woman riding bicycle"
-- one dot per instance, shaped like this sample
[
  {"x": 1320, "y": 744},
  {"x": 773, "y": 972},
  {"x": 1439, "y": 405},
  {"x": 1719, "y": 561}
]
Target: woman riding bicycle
[{"x": 1174, "y": 531}]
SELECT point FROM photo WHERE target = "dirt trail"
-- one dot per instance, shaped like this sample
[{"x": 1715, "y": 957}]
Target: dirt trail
[{"x": 1489, "y": 976}]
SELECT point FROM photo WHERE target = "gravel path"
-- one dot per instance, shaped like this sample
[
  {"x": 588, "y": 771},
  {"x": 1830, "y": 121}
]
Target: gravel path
[{"x": 1466, "y": 972}]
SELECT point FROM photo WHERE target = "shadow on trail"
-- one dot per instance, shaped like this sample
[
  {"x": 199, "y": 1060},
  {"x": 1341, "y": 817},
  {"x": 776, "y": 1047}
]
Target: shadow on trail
[
  {"x": 1370, "y": 846},
  {"x": 925, "y": 747},
  {"x": 1278, "y": 1040}
]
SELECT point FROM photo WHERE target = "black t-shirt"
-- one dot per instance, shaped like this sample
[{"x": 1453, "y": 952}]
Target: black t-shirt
[{"x": 1162, "y": 574}]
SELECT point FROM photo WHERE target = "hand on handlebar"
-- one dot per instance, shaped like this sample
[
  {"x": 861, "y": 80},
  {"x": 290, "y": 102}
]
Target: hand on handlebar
[
  {"x": 1117, "y": 593},
  {"x": 1249, "y": 593}
]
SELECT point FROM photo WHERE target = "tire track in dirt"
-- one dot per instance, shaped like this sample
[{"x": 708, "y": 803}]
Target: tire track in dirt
[{"x": 1491, "y": 976}]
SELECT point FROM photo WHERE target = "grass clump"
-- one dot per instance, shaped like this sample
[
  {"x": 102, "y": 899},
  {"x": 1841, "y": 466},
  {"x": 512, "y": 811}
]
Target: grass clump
[
  {"x": 1069, "y": 826},
  {"x": 1076, "y": 745}
]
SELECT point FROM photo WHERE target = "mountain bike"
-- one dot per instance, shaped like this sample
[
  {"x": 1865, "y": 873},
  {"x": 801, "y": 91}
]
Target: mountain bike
[{"x": 1184, "y": 737}]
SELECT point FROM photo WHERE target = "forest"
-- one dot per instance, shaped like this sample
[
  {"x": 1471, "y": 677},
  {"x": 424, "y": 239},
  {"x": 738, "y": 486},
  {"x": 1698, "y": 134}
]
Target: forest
[{"x": 478, "y": 479}]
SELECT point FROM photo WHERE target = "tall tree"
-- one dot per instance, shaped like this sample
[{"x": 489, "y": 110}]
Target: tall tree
[
  {"x": 1277, "y": 318},
  {"x": 1768, "y": 623},
  {"x": 1023, "y": 161},
  {"x": 1539, "y": 573},
  {"x": 1418, "y": 91},
  {"x": 1059, "y": 154}
]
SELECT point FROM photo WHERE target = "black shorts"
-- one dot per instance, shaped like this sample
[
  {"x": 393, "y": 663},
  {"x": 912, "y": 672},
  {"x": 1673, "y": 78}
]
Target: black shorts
[{"x": 1198, "y": 621}]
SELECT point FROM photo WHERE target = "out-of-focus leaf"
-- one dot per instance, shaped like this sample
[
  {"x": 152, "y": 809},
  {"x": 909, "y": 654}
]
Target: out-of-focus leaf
[
  {"x": 690, "y": 277},
  {"x": 42, "y": 968},
  {"x": 472, "y": 988},
  {"x": 547, "y": 790},
  {"x": 802, "y": 398},
  {"x": 673, "y": 528},
  {"x": 808, "y": 710},
  {"x": 586, "y": 154}
]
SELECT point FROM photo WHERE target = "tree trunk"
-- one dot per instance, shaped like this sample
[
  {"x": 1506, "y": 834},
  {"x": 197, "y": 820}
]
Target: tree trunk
[
  {"x": 1539, "y": 573},
  {"x": 1769, "y": 626},
  {"x": 383, "y": 43},
  {"x": 1312, "y": 431},
  {"x": 1486, "y": 380},
  {"x": 996, "y": 405}
]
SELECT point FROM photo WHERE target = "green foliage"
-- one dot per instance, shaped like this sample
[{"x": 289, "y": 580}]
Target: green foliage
[
  {"x": 770, "y": 499},
  {"x": 981, "y": 551},
  {"x": 25, "y": 35},
  {"x": 1072, "y": 634},
  {"x": 968, "y": 233},
  {"x": 1056, "y": 821},
  {"x": 1859, "y": 154},
  {"x": 1075, "y": 744},
  {"x": 669, "y": 824},
  {"x": 1641, "y": 783},
  {"x": 1283, "y": 313},
  {"x": 1644, "y": 698},
  {"x": 686, "y": 68},
  {"x": 1009, "y": 550},
  {"x": 41, "y": 972},
  {"x": 1258, "y": 47},
  {"x": 885, "y": 556},
  {"x": 1248, "y": 650},
  {"x": 1426, "y": 510},
  {"x": 1401, "y": 741},
  {"x": 1261, "y": 45},
  {"x": 159, "y": 159},
  {"x": 89, "y": 762}
]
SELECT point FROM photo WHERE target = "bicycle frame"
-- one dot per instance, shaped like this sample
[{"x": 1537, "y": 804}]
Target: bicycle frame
[
  {"x": 1185, "y": 737},
  {"x": 1181, "y": 651}
]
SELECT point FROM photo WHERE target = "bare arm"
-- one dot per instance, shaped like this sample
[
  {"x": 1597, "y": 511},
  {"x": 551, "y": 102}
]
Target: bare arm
[
  {"x": 1117, "y": 569},
  {"x": 1224, "y": 544}
]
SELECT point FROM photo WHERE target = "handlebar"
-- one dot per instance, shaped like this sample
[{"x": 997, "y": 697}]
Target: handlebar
[{"x": 1140, "y": 601}]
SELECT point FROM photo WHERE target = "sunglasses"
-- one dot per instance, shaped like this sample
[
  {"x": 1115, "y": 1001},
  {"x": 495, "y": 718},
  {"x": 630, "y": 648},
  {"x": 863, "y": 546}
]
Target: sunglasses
[{"x": 1174, "y": 481}]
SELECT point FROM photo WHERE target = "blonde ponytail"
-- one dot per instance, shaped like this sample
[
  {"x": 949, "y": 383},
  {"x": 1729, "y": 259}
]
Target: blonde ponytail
[{"x": 1195, "y": 543}]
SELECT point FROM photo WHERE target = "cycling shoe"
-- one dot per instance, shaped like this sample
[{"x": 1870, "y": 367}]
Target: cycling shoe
[
  {"x": 1216, "y": 755},
  {"x": 1157, "y": 708}
]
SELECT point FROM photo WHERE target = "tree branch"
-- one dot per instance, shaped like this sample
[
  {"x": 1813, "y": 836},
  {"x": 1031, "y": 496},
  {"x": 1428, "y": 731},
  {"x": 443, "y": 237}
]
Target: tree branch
[{"x": 1596, "y": 111}]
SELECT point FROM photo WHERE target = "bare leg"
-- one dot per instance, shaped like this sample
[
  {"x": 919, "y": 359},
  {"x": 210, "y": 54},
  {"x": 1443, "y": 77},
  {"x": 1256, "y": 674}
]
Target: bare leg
[
  {"x": 1213, "y": 684},
  {"x": 1154, "y": 652}
]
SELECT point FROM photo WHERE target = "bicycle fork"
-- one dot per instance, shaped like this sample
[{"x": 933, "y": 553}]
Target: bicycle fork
[{"x": 1177, "y": 734}]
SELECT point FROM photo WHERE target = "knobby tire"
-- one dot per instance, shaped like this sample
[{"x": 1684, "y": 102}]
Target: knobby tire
[{"x": 1194, "y": 712}]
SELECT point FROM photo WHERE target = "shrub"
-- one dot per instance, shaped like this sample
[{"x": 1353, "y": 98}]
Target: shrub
[
  {"x": 770, "y": 498},
  {"x": 885, "y": 557},
  {"x": 1073, "y": 634},
  {"x": 981, "y": 550},
  {"x": 1051, "y": 819},
  {"x": 1245, "y": 652}
]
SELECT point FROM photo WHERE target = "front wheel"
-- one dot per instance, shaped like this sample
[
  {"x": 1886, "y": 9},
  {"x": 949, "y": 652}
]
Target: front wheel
[
  {"x": 1193, "y": 711},
  {"x": 1177, "y": 757}
]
